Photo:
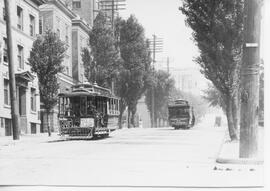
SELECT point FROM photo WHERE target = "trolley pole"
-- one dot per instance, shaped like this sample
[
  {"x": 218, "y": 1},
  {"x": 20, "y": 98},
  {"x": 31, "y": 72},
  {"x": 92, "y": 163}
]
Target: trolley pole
[
  {"x": 12, "y": 81},
  {"x": 248, "y": 147}
]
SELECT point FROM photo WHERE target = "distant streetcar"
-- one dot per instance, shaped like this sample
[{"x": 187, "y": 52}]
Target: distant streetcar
[
  {"x": 181, "y": 114},
  {"x": 88, "y": 111}
]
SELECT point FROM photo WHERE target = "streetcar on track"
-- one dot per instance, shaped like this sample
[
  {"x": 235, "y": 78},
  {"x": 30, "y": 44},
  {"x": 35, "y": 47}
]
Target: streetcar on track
[
  {"x": 181, "y": 114},
  {"x": 87, "y": 111}
]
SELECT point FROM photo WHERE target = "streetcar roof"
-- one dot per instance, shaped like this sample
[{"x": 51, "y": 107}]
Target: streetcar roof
[
  {"x": 179, "y": 103},
  {"x": 85, "y": 93},
  {"x": 77, "y": 94}
]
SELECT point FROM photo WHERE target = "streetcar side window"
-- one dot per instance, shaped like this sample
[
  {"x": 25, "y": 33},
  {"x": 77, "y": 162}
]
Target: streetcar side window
[
  {"x": 61, "y": 104},
  {"x": 83, "y": 106},
  {"x": 90, "y": 106}
]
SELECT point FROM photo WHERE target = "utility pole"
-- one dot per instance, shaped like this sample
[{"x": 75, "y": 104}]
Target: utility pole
[
  {"x": 250, "y": 80},
  {"x": 112, "y": 7},
  {"x": 155, "y": 47},
  {"x": 12, "y": 81}
]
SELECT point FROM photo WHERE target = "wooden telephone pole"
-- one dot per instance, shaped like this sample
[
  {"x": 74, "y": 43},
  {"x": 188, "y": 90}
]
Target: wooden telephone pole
[
  {"x": 156, "y": 46},
  {"x": 12, "y": 81},
  {"x": 250, "y": 80}
]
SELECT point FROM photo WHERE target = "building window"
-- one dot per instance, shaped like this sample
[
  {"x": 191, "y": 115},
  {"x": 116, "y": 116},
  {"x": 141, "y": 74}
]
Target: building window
[
  {"x": 4, "y": 13},
  {"x": 33, "y": 99},
  {"x": 33, "y": 128},
  {"x": 40, "y": 25},
  {"x": 81, "y": 43},
  {"x": 20, "y": 57},
  {"x": 6, "y": 92},
  {"x": 58, "y": 33},
  {"x": 67, "y": 34},
  {"x": 32, "y": 25},
  {"x": 8, "y": 127},
  {"x": 5, "y": 53},
  {"x": 76, "y": 4},
  {"x": 67, "y": 70},
  {"x": 19, "y": 18},
  {"x": 58, "y": 26},
  {"x": 2, "y": 122},
  {"x": 82, "y": 78}
]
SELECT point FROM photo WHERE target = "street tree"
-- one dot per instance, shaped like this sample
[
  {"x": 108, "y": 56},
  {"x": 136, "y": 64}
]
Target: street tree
[
  {"x": 135, "y": 53},
  {"x": 101, "y": 60},
  {"x": 218, "y": 32},
  {"x": 45, "y": 59},
  {"x": 163, "y": 87},
  {"x": 214, "y": 98},
  {"x": 261, "y": 93}
]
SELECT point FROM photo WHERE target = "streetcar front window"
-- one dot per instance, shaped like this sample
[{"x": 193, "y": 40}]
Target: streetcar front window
[{"x": 179, "y": 112}]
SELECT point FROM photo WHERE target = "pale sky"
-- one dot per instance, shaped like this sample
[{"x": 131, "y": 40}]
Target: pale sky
[{"x": 162, "y": 17}]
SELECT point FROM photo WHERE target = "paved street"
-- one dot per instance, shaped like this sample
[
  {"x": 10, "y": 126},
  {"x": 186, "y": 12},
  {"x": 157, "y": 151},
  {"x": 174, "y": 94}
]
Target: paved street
[{"x": 129, "y": 157}]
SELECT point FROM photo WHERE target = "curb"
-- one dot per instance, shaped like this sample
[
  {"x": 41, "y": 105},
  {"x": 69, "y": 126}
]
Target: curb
[
  {"x": 235, "y": 160},
  {"x": 239, "y": 161}
]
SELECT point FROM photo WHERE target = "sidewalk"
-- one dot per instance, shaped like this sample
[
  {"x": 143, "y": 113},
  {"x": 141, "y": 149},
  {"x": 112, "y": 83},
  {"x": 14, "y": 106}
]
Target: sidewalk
[
  {"x": 28, "y": 138},
  {"x": 229, "y": 153}
]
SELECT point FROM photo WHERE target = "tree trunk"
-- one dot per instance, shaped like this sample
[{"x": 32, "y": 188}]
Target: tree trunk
[
  {"x": 236, "y": 112},
  {"x": 229, "y": 114},
  {"x": 122, "y": 109},
  {"x": 132, "y": 120},
  {"x": 128, "y": 119},
  {"x": 120, "y": 120},
  {"x": 48, "y": 123}
]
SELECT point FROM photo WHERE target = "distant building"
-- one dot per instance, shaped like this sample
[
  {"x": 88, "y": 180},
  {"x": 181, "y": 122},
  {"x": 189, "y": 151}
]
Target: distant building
[
  {"x": 189, "y": 80},
  {"x": 24, "y": 20},
  {"x": 86, "y": 9}
]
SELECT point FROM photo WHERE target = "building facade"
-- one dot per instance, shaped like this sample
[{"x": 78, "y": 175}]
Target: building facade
[
  {"x": 56, "y": 16},
  {"x": 80, "y": 40},
  {"x": 189, "y": 80},
  {"x": 24, "y": 23},
  {"x": 74, "y": 31}
]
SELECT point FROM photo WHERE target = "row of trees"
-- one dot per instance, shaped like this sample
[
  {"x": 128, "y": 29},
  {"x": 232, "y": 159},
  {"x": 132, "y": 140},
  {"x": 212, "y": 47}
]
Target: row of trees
[
  {"x": 123, "y": 57},
  {"x": 119, "y": 59}
]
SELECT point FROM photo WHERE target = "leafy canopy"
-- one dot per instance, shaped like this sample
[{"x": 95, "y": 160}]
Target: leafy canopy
[
  {"x": 102, "y": 61},
  {"x": 135, "y": 54},
  {"x": 45, "y": 59},
  {"x": 163, "y": 86},
  {"x": 218, "y": 31}
]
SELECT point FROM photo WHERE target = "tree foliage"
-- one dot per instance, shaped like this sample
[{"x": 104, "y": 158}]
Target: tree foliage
[
  {"x": 218, "y": 32},
  {"x": 261, "y": 92},
  {"x": 133, "y": 76},
  {"x": 45, "y": 59},
  {"x": 102, "y": 61},
  {"x": 163, "y": 86},
  {"x": 213, "y": 97}
]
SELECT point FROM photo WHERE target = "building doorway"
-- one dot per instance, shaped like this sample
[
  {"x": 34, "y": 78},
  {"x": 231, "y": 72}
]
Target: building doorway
[{"x": 8, "y": 127}]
